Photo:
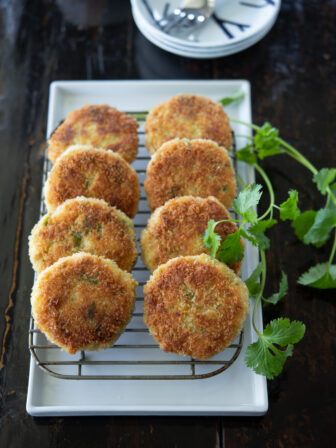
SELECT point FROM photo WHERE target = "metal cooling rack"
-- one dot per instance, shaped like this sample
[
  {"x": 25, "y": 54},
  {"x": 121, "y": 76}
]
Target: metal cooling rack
[{"x": 135, "y": 356}]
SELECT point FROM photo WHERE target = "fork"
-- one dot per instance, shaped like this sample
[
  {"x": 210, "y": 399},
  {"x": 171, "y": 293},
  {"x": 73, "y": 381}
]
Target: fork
[{"x": 191, "y": 14}]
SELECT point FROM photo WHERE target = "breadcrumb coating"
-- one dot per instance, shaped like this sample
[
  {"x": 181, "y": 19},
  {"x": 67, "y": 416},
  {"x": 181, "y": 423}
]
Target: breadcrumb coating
[
  {"x": 84, "y": 171},
  {"x": 177, "y": 229},
  {"x": 83, "y": 302},
  {"x": 187, "y": 116},
  {"x": 83, "y": 225},
  {"x": 100, "y": 126},
  {"x": 184, "y": 167},
  {"x": 195, "y": 306}
]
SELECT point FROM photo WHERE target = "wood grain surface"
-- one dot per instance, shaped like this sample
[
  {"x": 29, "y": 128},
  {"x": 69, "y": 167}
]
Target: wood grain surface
[{"x": 293, "y": 76}]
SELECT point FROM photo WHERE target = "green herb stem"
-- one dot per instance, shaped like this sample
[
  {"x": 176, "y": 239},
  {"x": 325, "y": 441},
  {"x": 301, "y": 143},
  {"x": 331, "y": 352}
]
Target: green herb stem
[
  {"x": 270, "y": 191},
  {"x": 241, "y": 182},
  {"x": 332, "y": 254},
  {"x": 291, "y": 151},
  {"x": 331, "y": 194},
  {"x": 138, "y": 116},
  {"x": 262, "y": 286},
  {"x": 296, "y": 155},
  {"x": 235, "y": 97},
  {"x": 249, "y": 137},
  {"x": 229, "y": 220},
  {"x": 249, "y": 125}
]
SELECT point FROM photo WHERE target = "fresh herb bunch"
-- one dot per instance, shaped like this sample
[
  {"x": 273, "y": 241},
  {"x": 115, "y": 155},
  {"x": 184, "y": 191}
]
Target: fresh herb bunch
[
  {"x": 311, "y": 226},
  {"x": 268, "y": 355}
]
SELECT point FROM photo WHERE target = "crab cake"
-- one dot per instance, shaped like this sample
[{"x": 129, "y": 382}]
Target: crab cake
[
  {"x": 83, "y": 225},
  {"x": 177, "y": 228},
  {"x": 84, "y": 171},
  {"x": 83, "y": 302},
  {"x": 99, "y": 126},
  {"x": 195, "y": 306},
  {"x": 187, "y": 116},
  {"x": 184, "y": 167}
]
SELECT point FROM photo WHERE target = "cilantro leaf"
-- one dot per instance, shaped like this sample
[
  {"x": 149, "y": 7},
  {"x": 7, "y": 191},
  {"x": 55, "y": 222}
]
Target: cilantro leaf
[
  {"x": 253, "y": 283},
  {"x": 325, "y": 221},
  {"x": 283, "y": 332},
  {"x": 303, "y": 223},
  {"x": 266, "y": 141},
  {"x": 263, "y": 242},
  {"x": 283, "y": 289},
  {"x": 264, "y": 357},
  {"x": 248, "y": 198},
  {"x": 289, "y": 208},
  {"x": 211, "y": 239},
  {"x": 247, "y": 155},
  {"x": 323, "y": 178},
  {"x": 230, "y": 99},
  {"x": 232, "y": 249},
  {"x": 258, "y": 231},
  {"x": 319, "y": 277},
  {"x": 250, "y": 238},
  {"x": 262, "y": 225}
]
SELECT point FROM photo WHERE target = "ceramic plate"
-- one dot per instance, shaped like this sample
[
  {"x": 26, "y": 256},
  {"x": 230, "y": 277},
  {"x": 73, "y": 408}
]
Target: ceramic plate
[
  {"x": 233, "y": 21},
  {"x": 237, "y": 390},
  {"x": 200, "y": 52}
]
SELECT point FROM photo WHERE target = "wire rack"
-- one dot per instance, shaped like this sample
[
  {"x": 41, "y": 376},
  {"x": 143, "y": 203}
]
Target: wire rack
[{"x": 135, "y": 356}]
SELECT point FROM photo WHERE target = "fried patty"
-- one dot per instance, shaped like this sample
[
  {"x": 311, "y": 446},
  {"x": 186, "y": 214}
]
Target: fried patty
[
  {"x": 195, "y": 306},
  {"x": 84, "y": 171},
  {"x": 184, "y": 167},
  {"x": 177, "y": 228},
  {"x": 187, "y": 116},
  {"x": 99, "y": 126},
  {"x": 83, "y": 225},
  {"x": 83, "y": 302}
]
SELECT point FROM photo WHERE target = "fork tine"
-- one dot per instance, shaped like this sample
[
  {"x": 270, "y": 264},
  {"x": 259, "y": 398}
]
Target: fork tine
[
  {"x": 165, "y": 10},
  {"x": 180, "y": 24},
  {"x": 167, "y": 20},
  {"x": 174, "y": 22},
  {"x": 190, "y": 16}
]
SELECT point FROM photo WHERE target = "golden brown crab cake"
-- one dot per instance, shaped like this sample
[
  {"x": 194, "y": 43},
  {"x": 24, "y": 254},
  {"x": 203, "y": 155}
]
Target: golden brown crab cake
[
  {"x": 84, "y": 171},
  {"x": 195, "y": 306},
  {"x": 187, "y": 116},
  {"x": 184, "y": 167},
  {"x": 83, "y": 302},
  {"x": 99, "y": 126},
  {"x": 177, "y": 228},
  {"x": 83, "y": 225}
]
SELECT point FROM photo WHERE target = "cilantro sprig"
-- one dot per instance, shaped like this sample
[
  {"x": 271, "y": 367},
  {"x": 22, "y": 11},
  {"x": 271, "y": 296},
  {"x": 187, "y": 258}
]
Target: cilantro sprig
[
  {"x": 312, "y": 226},
  {"x": 275, "y": 344},
  {"x": 264, "y": 356}
]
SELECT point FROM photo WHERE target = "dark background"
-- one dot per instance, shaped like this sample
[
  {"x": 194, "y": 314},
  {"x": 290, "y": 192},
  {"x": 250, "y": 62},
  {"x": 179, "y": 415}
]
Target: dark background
[{"x": 292, "y": 72}]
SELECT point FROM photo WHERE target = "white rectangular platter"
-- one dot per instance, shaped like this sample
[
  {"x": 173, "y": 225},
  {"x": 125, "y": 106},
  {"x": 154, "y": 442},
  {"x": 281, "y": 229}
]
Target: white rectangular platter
[{"x": 237, "y": 390}]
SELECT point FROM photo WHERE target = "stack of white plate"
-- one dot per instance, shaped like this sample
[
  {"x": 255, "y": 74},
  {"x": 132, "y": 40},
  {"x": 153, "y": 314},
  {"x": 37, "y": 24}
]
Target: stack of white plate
[{"x": 234, "y": 26}]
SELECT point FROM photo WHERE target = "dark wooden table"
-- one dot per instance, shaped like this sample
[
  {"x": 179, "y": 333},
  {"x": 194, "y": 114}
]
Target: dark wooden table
[{"x": 293, "y": 77}]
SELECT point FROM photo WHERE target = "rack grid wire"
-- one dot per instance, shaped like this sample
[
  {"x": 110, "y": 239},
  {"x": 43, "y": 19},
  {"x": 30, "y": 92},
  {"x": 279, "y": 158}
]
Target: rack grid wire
[{"x": 135, "y": 356}]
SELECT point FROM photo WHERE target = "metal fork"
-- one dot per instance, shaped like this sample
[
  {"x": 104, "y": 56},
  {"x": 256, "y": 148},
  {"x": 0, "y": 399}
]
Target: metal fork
[{"x": 186, "y": 18}]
